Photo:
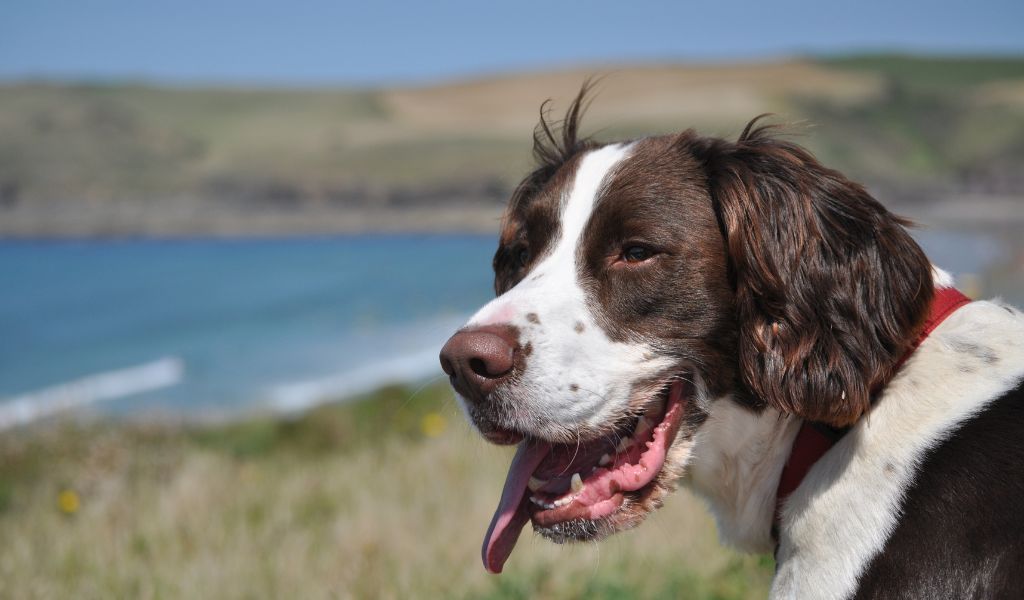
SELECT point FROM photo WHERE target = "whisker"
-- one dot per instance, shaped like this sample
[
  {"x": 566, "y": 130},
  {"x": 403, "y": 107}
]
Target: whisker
[
  {"x": 579, "y": 442},
  {"x": 419, "y": 390}
]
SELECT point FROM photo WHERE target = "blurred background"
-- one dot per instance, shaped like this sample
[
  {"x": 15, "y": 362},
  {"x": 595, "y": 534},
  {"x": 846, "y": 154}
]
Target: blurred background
[{"x": 234, "y": 235}]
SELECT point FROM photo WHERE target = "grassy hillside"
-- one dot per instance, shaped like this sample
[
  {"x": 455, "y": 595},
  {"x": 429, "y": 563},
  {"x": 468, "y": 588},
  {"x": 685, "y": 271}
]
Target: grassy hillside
[
  {"x": 937, "y": 74},
  {"x": 82, "y": 159},
  {"x": 387, "y": 497}
]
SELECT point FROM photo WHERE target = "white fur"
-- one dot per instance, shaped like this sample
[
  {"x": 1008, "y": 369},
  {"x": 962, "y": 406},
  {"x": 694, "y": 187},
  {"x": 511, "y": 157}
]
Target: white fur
[
  {"x": 941, "y": 278},
  {"x": 737, "y": 460},
  {"x": 849, "y": 503},
  {"x": 603, "y": 371}
]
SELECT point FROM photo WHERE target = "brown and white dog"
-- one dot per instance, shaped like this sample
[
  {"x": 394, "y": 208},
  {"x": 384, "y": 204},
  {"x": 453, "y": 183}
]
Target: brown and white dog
[{"x": 683, "y": 308}]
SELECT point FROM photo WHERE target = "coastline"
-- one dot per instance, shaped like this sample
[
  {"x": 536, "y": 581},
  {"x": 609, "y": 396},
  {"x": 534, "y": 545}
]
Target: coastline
[
  {"x": 187, "y": 219},
  {"x": 58, "y": 220}
]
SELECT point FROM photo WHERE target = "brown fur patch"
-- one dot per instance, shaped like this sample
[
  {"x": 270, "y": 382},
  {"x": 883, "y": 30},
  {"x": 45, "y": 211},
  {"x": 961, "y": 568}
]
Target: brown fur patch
[
  {"x": 680, "y": 299},
  {"x": 813, "y": 252}
]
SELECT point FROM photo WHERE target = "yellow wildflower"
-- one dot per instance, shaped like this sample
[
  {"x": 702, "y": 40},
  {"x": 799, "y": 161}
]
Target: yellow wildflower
[
  {"x": 433, "y": 424},
  {"x": 68, "y": 502}
]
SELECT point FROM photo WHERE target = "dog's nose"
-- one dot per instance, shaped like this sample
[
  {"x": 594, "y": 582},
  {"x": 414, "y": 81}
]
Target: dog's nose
[{"x": 478, "y": 359}]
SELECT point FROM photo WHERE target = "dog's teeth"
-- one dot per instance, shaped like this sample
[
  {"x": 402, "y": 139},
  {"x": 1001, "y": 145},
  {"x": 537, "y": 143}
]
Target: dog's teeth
[
  {"x": 535, "y": 484},
  {"x": 576, "y": 483},
  {"x": 642, "y": 426},
  {"x": 563, "y": 501},
  {"x": 541, "y": 503},
  {"x": 605, "y": 460}
]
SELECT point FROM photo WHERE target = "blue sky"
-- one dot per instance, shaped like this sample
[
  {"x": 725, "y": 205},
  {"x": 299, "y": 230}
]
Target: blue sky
[{"x": 319, "y": 42}]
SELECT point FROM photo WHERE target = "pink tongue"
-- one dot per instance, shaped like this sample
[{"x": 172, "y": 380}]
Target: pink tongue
[{"x": 511, "y": 515}]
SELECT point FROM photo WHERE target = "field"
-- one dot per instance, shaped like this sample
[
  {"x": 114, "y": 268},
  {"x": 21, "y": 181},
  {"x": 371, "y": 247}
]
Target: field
[
  {"x": 386, "y": 497},
  {"x": 134, "y": 159}
]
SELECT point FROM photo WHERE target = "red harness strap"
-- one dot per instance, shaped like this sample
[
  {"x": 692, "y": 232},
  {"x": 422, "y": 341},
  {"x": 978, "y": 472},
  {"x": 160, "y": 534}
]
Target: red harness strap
[{"x": 815, "y": 439}]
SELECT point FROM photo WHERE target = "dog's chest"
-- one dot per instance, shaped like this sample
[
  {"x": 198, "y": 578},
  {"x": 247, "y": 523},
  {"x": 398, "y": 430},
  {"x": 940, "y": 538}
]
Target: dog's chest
[{"x": 843, "y": 514}]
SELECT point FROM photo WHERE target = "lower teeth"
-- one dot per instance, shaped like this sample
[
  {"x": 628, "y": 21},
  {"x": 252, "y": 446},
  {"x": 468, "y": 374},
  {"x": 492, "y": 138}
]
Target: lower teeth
[
  {"x": 541, "y": 503},
  {"x": 556, "y": 504}
]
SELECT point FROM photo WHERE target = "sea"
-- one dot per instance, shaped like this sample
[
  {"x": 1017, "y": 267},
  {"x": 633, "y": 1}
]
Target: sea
[{"x": 213, "y": 328}]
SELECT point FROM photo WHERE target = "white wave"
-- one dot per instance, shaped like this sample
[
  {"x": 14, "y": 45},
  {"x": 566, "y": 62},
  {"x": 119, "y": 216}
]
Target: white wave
[
  {"x": 26, "y": 408},
  {"x": 303, "y": 395},
  {"x": 413, "y": 349}
]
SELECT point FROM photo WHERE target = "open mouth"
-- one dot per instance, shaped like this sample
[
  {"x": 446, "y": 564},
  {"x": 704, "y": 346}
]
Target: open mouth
[{"x": 554, "y": 484}]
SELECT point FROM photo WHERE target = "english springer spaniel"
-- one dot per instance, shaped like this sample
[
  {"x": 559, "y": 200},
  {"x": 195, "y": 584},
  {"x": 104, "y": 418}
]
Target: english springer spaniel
[{"x": 740, "y": 318}]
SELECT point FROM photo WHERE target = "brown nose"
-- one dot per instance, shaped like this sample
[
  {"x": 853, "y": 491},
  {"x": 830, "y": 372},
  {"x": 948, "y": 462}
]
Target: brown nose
[{"x": 478, "y": 359}]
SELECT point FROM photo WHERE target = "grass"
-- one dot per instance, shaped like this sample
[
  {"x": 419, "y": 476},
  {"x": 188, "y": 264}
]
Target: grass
[
  {"x": 385, "y": 497},
  {"x": 929, "y": 125},
  {"x": 935, "y": 73}
]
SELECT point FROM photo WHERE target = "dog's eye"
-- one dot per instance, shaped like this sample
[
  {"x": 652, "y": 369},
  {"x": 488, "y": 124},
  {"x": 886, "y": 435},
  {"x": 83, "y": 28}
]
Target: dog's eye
[
  {"x": 522, "y": 257},
  {"x": 635, "y": 254}
]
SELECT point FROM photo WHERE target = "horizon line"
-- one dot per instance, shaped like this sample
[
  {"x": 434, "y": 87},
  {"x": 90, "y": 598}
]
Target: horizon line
[{"x": 241, "y": 83}]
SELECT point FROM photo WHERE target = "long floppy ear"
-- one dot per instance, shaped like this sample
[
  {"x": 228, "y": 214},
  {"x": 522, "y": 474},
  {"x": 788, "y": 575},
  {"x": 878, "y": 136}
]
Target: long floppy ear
[{"x": 831, "y": 290}]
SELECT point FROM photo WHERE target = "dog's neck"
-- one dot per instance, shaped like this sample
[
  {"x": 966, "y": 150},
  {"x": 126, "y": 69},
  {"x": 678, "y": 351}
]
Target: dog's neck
[
  {"x": 739, "y": 455},
  {"x": 737, "y": 459},
  {"x": 858, "y": 486}
]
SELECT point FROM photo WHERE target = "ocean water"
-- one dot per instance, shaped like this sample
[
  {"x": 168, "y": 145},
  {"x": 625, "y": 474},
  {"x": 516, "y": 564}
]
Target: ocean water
[
  {"x": 198, "y": 328},
  {"x": 207, "y": 327}
]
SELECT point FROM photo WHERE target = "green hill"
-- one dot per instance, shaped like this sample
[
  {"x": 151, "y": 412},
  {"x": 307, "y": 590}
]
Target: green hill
[{"x": 95, "y": 159}]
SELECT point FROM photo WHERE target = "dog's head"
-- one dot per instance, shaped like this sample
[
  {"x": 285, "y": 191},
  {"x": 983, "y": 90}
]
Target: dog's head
[{"x": 638, "y": 282}]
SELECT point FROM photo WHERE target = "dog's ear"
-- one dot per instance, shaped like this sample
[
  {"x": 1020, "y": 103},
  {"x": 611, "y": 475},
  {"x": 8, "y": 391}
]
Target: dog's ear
[{"x": 830, "y": 288}]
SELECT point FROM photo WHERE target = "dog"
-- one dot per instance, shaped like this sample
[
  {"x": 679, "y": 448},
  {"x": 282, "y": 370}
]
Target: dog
[{"x": 737, "y": 317}]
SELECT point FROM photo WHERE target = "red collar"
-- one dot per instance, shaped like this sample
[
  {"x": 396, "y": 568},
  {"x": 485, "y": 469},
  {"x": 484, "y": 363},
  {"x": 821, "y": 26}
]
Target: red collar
[{"x": 815, "y": 439}]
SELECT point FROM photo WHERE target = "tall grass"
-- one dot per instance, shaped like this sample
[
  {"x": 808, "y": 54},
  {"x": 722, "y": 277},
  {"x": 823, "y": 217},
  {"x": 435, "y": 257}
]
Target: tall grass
[{"x": 387, "y": 497}]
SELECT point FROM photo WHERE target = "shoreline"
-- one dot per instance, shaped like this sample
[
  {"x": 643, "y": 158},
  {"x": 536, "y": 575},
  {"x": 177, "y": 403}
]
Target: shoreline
[
  {"x": 73, "y": 221},
  {"x": 113, "y": 223}
]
